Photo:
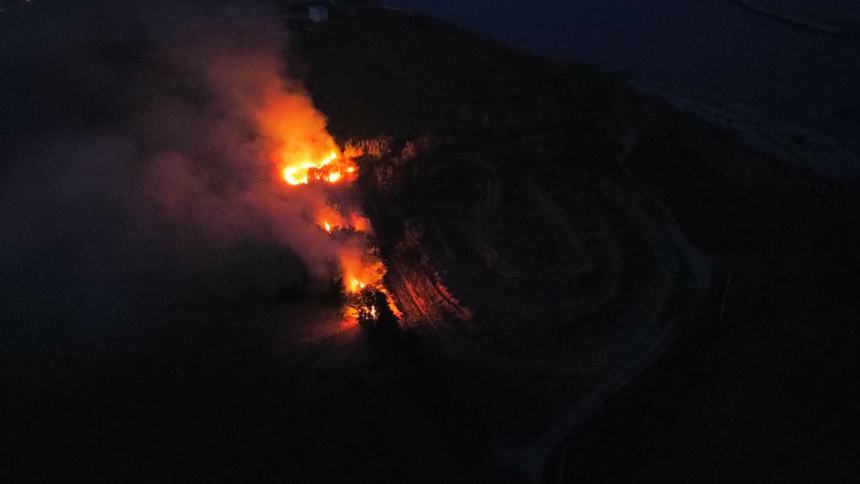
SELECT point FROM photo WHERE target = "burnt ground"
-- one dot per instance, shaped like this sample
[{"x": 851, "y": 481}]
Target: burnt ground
[{"x": 560, "y": 244}]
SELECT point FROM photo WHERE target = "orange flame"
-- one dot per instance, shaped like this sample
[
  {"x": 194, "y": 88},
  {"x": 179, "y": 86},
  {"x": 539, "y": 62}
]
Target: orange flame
[
  {"x": 329, "y": 169},
  {"x": 299, "y": 143},
  {"x": 305, "y": 153},
  {"x": 359, "y": 223},
  {"x": 361, "y": 271}
]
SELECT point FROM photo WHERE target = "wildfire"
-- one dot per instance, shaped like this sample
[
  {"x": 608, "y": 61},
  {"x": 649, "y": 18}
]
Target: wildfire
[
  {"x": 331, "y": 220},
  {"x": 368, "y": 300},
  {"x": 363, "y": 282},
  {"x": 331, "y": 169},
  {"x": 361, "y": 270}
]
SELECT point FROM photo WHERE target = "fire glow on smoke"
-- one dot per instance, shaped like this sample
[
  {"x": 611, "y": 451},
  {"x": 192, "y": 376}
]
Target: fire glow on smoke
[
  {"x": 252, "y": 159},
  {"x": 333, "y": 168}
]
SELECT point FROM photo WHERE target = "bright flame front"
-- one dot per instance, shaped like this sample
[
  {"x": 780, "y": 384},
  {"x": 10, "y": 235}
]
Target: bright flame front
[
  {"x": 361, "y": 270},
  {"x": 332, "y": 168}
]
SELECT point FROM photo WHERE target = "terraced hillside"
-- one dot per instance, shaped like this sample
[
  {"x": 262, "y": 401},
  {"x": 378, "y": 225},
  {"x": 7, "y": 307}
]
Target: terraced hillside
[{"x": 554, "y": 229}]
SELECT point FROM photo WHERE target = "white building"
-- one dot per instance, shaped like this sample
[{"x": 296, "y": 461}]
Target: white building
[
  {"x": 312, "y": 12},
  {"x": 318, "y": 13}
]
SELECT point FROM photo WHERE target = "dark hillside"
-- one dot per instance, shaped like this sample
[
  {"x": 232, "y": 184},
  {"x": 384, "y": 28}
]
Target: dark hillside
[
  {"x": 595, "y": 287},
  {"x": 545, "y": 214}
]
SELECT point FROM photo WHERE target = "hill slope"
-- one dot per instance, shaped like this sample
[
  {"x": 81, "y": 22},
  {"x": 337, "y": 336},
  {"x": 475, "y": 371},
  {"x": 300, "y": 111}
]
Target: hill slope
[{"x": 578, "y": 219}]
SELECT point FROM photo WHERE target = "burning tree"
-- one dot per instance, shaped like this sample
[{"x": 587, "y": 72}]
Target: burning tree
[{"x": 373, "y": 308}]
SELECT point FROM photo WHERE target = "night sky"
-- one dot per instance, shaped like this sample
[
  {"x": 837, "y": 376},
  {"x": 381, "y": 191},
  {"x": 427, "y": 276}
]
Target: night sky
[{"x": 708, "y": 50}]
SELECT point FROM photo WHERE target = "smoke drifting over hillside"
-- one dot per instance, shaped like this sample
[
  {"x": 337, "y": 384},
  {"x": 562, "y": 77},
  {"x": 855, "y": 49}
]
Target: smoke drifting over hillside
[
  {"x": 140, "y": 147},
  {"x": 213, "y": 169}
]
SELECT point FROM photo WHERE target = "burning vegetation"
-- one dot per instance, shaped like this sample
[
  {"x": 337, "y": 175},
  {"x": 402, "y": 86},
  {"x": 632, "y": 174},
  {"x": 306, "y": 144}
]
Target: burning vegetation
[
  {"x": 252, "y": 158},
  {"x": 321, "y": 162}
]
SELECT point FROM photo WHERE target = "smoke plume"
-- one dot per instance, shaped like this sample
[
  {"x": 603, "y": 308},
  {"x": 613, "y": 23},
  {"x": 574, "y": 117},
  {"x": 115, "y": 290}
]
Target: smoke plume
[
  {"x": 140, "y": 145},
  {"x": 215, "y": 153}
]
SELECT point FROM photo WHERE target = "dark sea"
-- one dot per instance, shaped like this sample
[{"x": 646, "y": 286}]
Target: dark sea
[{"x": 711, "y": 50}]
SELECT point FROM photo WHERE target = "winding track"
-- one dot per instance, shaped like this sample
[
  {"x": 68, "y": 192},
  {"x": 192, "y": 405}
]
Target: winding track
[{"x": 573, "y": 292}]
